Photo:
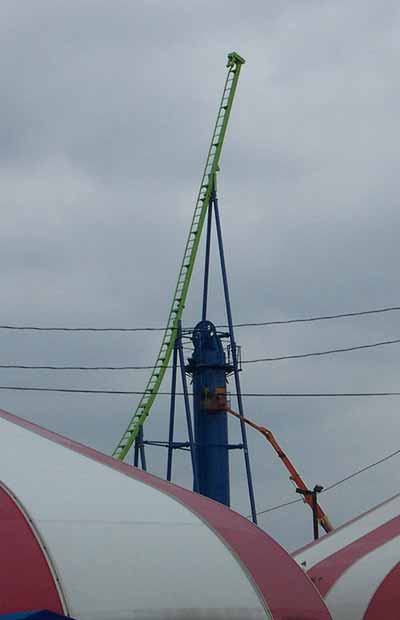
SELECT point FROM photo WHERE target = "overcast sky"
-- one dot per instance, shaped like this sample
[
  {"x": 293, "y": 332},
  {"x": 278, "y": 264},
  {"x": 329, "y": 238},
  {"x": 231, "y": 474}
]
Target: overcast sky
[{"x": 105, "y": 118}]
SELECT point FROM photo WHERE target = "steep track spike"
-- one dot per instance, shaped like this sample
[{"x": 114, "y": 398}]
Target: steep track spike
[{"x": 234, "y": 65}]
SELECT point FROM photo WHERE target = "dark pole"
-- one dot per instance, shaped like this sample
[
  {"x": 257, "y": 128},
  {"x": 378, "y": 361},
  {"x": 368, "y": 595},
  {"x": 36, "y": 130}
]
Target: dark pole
[
  {"x": 136, "y": 452},
  {"x": 317, "y": 489},
  {"x": 314, "y": 506},
  {"x": 234, "y": 355},
  {"x": 172, "y": 413},
  {"x": 314, "y": 514},
  {"x": 141, "y": 449},
  {"x": 207, "y": 261},
  {"x": 187, "y": 408}
]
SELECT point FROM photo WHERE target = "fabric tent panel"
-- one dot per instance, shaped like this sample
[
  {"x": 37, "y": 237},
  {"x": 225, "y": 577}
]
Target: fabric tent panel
[
  {"x": 25, "y": 576},
  {"x": 279, "y": 581}
]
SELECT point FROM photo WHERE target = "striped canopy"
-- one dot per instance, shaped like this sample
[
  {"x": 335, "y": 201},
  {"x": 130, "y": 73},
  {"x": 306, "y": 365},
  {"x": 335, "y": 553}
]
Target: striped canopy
[{"x": 357, "y": 568}]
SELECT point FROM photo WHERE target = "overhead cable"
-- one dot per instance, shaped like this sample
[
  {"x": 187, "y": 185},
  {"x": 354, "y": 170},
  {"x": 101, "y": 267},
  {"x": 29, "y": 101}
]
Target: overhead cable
[
  {"x": 335, "y": 484},
  {"x": 36, "y": 367},
  {"x": 319, "y": 353},
  {"x": 250, "y": 361},
  {"x": 360, "y": 471},
  {"x": 278, "y": 506},
  {"x": 248, "y": 394},
  {"x": 309, "y": 319}
]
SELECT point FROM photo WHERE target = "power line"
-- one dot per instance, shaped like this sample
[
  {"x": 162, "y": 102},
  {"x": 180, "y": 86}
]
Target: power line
[
  {"x": 247, "y": 394},
  {"x": 158, "y": 329},
  {"x": 293, "y": 501},
  {"x": 251, "y": 361},
  {"x": 19, "y": 388},
  {"x": 360, "y": 471},
  {"x": 319, "y": 353},
  {"x": 335, "y": 484},
  {"x": 33, "y": 367},
  {"x": 327, "y": 317}
]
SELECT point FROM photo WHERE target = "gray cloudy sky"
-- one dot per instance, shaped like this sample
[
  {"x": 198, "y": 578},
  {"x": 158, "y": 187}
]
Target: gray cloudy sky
[{"x": 106, "y": 113}]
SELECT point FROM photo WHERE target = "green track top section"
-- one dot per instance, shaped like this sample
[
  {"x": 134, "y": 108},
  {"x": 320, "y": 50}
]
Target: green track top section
[{"x": 234, "y": 65}]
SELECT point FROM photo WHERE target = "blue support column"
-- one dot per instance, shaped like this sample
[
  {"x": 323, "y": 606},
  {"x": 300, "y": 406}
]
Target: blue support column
[
  {"x": 234, "y": 355},
  {"x": 207, "y": 262},
  {"x": 187, "y": 410},
  {"x": 172, "y": 413},
  {"x": 208, "y": 369},
  {"x": 141, "y": 450},
  {"x": 136, "y": 453}
]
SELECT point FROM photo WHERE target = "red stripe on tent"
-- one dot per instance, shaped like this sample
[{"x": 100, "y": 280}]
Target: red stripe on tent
[
  {"x": 282, "y": 584},
  {"x": 25, "y": 576},
  {"x": 385, "y": 604},
  {"x": 328, "y": 571}
]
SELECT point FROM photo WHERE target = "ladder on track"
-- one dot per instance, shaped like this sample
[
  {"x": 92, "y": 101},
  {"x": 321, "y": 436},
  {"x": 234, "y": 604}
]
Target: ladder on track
[{"x": 234, "y": 65}]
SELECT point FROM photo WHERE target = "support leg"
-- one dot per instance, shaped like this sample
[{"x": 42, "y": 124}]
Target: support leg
[
  {"x": 141, "y": 449},
  {"x": 136, "y": 452},
  {"x": 187, "y": 409},
  {"x": 234, "y": 357},
  {"x": 207, "y": 262},
  {"x": 172, "y": 413}
]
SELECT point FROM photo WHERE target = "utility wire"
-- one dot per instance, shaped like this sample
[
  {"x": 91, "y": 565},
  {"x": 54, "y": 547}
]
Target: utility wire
[
  {"x": 360, "y": 471},
  {"x": 26, "y": 367},
  {"x": 250, "y": 361},
  {"x": 248, "y": 394},
  {"x": 335, "y": 484},
  {"x": 327, "y": 317},
  {"x": 319, "y": 353},
  {"x": 293, "y": 501},
  {"x": 158, "y": 329}
]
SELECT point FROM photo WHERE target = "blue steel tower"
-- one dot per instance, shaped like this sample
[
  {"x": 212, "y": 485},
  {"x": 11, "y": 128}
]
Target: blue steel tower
[
  {"x": 209, "y": 370},
  {"x": 208, "y": 441}
]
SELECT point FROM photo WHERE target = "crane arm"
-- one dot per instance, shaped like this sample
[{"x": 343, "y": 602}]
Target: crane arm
[
  {"x": 294, "y": 474},
  {"x": 234, "y": 65}
]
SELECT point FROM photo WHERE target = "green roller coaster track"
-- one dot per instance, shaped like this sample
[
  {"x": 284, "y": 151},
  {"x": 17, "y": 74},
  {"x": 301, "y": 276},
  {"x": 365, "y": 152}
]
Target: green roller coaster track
[{"x": 234, "y": 65}]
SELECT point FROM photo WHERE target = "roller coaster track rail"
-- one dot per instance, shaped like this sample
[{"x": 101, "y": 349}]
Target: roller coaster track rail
[{"x": 143, "y": 408}]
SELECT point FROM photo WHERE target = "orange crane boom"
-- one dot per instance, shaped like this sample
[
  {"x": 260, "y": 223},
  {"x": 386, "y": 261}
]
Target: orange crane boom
[{"x": 294, "y": 474}]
